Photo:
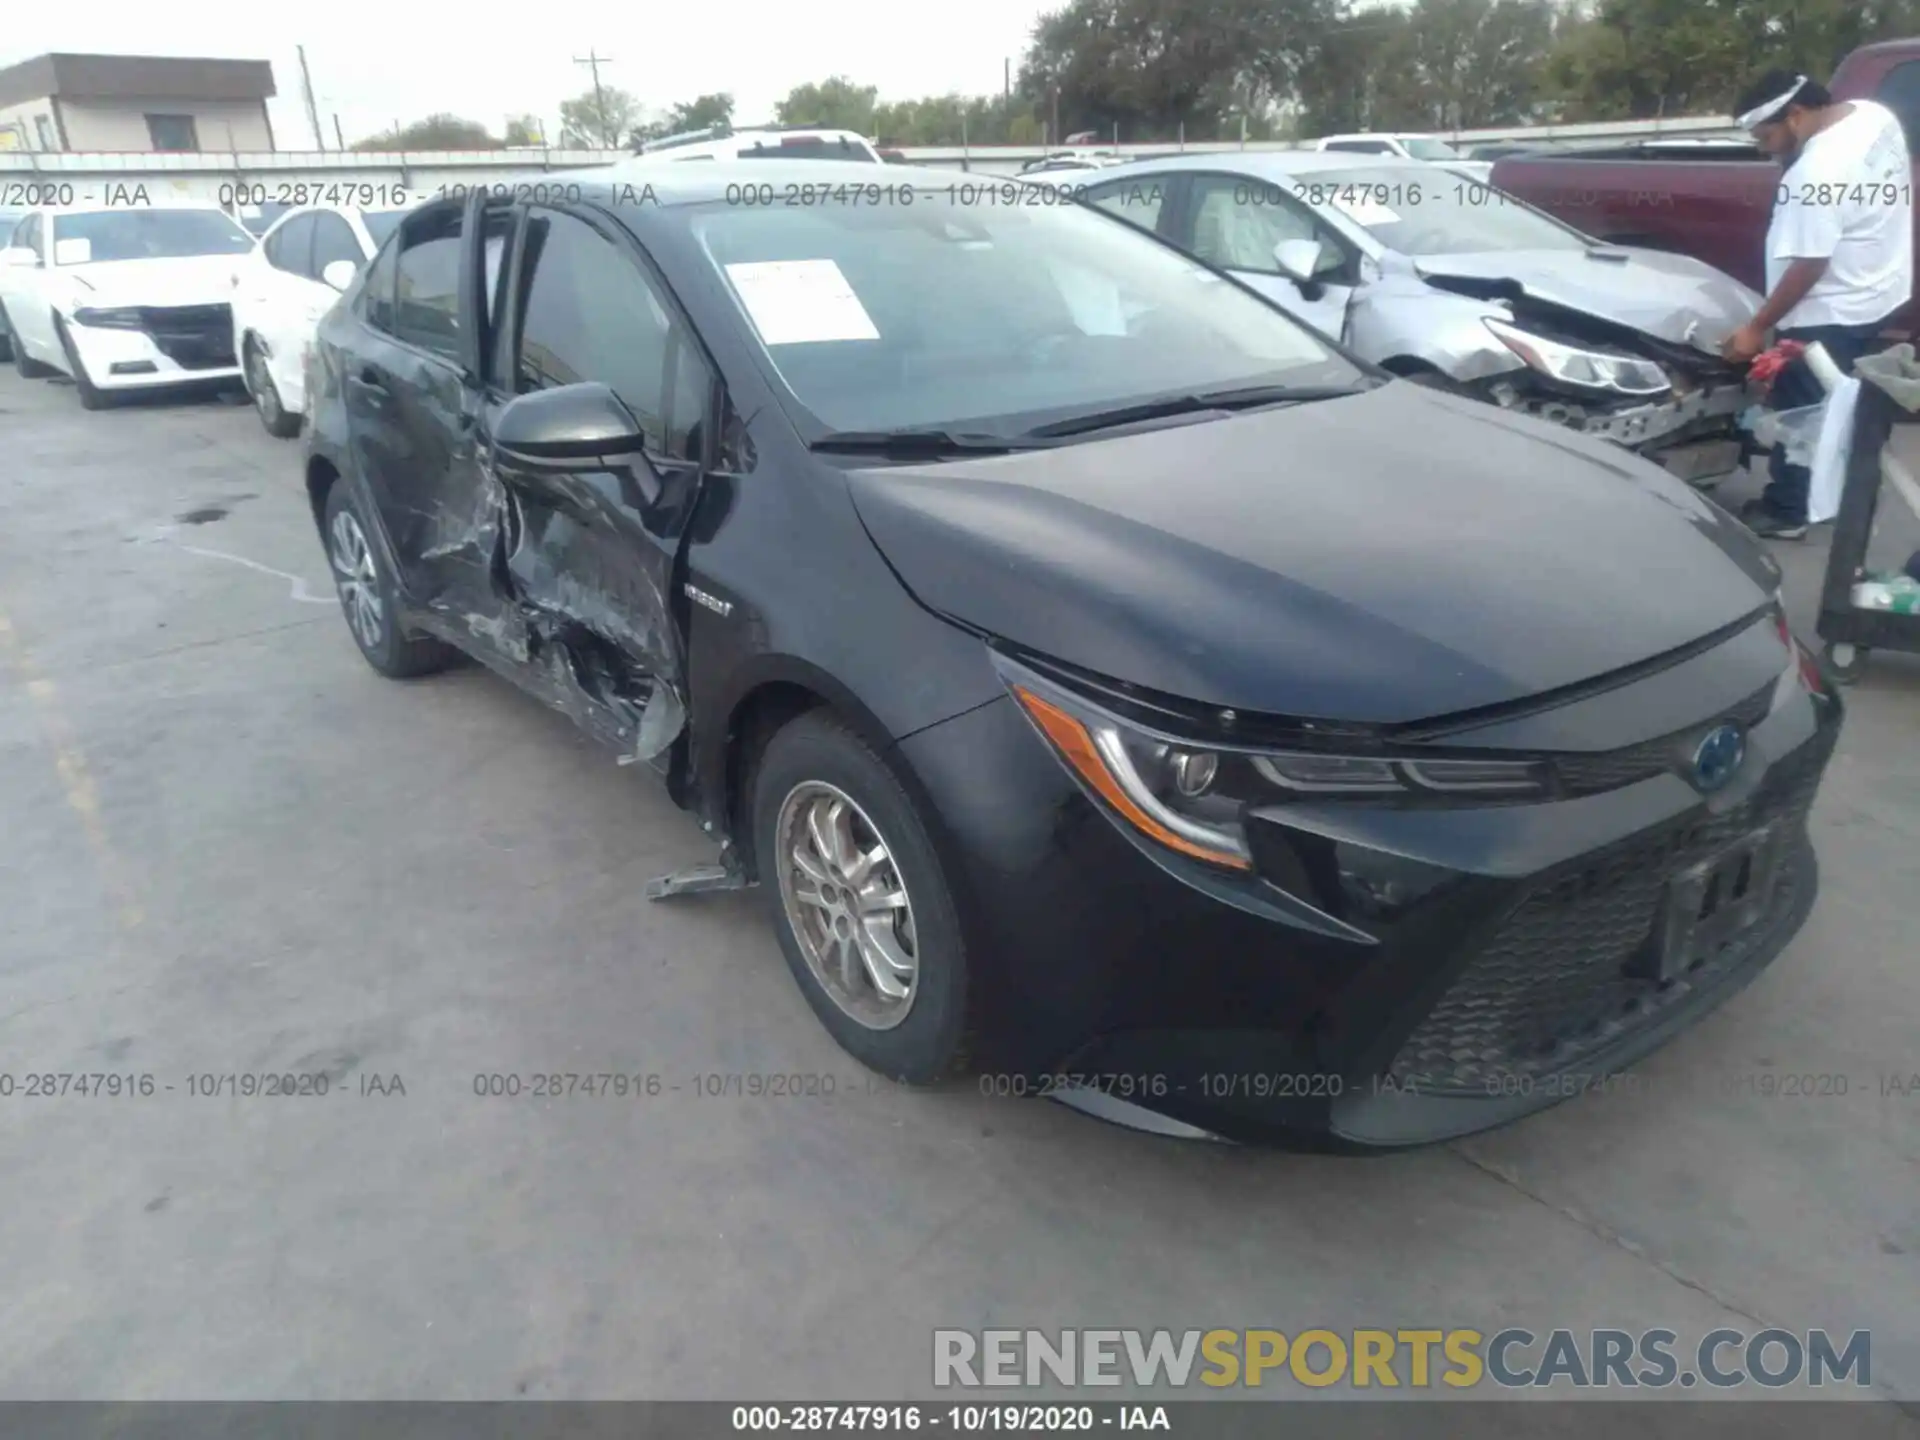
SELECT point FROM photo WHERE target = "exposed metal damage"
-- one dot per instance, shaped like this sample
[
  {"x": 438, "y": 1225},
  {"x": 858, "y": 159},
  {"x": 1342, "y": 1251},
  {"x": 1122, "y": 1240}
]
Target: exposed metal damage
[
  {"x": 562, "y": 597},
  {"x": 1687, "y": 428}
]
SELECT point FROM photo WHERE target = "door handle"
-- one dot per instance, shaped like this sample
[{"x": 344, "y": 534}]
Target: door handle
[{"x": 370, "y": 378}]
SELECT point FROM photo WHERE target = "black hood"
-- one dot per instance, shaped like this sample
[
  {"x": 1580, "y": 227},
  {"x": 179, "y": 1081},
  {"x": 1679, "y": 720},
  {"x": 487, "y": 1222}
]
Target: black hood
[{"x": 1393, "y": 556}]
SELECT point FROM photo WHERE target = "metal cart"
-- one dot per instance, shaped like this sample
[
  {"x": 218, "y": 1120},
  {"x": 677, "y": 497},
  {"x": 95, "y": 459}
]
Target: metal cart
[{"x": 1851, "y": 631}]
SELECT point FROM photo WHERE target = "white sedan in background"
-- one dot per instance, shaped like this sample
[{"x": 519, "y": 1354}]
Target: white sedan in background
[
  {"x": 9, "y": 219},
  {"x": 280, "y": 291},
  {"x": 123, "y": 299}
]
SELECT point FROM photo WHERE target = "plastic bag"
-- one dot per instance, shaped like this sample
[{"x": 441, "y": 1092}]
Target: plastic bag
[
  {"x": 1797, "y": 429},
  {"x": 1832, "y": 447}
]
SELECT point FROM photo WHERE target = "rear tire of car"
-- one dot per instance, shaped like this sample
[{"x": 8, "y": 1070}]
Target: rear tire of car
[
  {"x": 816, "y": 759},
  {"x": 265, "y": 394},
  {"x": 90, "y": 397},
  {"x": 29, "y": 368},
  {"x": 359, "y": 577}
]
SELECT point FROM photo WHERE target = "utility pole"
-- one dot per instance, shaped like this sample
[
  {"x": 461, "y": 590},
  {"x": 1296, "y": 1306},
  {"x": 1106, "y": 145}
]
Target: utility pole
[
  {"x": 1006, "y": 79},
  {"x": 339, "y": 139},
  {"x": 306, "y": 90},
  {"x": 593, "y": 62}
]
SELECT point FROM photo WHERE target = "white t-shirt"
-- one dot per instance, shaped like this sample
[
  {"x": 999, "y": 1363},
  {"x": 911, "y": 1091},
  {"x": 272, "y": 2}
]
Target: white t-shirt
[{"x": 1848, "y": 200}]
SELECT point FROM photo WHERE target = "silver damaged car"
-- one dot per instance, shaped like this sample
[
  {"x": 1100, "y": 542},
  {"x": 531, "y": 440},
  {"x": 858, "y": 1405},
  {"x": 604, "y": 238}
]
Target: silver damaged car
[{"x": 1462, "y": 287}]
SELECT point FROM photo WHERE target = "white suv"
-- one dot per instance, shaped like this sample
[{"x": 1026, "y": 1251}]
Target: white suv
[
  {"x": 1407, "y": 146},
  {"x": 123, "y": 299},
  {"x": 765, "y": 142}
]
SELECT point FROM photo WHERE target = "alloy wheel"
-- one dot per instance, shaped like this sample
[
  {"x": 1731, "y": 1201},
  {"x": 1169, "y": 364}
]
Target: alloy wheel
[
  {"x": 356, "y": 579},
  {"x": 847, "y": 904},
  {"x": 261, "y": 383}
]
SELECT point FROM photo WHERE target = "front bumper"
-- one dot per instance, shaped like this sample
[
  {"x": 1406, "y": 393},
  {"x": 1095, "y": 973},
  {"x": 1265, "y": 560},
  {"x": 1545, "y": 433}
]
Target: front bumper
[
  {"x": 1691, "y": 433},
  {"x": 1393, "y": 978},
  {"x": 176, "y": 345}
]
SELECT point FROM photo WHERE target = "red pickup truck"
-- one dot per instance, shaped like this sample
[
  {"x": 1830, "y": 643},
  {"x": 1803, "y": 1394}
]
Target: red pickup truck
[{"x": 1708, "y": 199}]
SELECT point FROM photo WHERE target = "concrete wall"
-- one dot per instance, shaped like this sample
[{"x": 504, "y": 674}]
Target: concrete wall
[{"x": 121, "y": 123}]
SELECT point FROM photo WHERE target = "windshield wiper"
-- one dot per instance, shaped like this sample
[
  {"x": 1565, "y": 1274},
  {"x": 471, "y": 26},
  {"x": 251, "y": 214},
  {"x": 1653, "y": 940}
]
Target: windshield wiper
[
  {"x": 920, "y": 442},
  {"x": 1246, "y": 397}
]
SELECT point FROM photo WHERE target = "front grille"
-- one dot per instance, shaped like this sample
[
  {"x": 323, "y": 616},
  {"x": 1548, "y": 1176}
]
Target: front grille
[
  {"x": 194, "y": 337},
  {"x": 1612, "y": 769},
  {"x": 1552, "y": 985}
]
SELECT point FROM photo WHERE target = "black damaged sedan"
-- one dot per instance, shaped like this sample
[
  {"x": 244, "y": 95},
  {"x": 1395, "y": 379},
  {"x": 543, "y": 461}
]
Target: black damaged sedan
[{"x": 1113, "y": 687}]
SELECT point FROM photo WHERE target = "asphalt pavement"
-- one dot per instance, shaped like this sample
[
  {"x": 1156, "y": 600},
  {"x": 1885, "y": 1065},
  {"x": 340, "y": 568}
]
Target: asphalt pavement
[{"x": 229, "y": 849}]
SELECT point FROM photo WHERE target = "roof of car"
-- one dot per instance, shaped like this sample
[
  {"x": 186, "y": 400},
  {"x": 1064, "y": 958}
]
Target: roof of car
[
  {"x": 1260, "y": 162},
  {"x": 659, "y": 179},
  {"x": 132, "y": 209}
]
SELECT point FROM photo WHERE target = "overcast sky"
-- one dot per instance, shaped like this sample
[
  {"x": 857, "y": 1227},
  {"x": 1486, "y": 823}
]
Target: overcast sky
[{"x": 375, "y": 63}]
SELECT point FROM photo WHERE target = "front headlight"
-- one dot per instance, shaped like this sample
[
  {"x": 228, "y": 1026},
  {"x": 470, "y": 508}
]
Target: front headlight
[
  {"x": 124, "y": 318},
  {"x": 1192, "y": 797},
  {"x": 1588, "y": 368}
]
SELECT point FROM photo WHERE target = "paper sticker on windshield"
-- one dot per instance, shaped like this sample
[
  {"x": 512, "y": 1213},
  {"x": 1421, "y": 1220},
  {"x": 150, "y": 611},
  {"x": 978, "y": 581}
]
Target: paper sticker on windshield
[
  {"x": 72, "y": 252},
  {"x": 1363, "y": 209},
  {"x": 800, "y": 302}
]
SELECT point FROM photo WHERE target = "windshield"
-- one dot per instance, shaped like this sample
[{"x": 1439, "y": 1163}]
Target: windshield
[
  {"x": 381, "y": 223},
  {"x": 1420, "y": 212},
  {"x": 991, "y": 318},
  {"x": 150, "y": 234},
  {"x": 1422, "y": 148}
]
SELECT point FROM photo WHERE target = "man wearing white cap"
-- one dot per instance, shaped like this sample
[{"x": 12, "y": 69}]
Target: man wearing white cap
[{"x": 1839, "y": 250}]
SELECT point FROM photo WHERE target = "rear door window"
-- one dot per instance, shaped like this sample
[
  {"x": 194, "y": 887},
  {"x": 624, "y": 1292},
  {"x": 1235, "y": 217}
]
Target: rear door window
[
  {"x": 1140, "y": 201},
  {"x": 426, "y": 306},
  {"x": 376, "y": 296}
]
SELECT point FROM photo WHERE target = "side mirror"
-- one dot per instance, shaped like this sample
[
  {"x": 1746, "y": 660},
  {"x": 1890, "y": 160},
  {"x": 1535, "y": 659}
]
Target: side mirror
[
  {"x": 570, "y": 422},
  {"x": 339, "y": 273},
  {"x": 19, "y": 256},
  {"x": 1297, "y": 259}
]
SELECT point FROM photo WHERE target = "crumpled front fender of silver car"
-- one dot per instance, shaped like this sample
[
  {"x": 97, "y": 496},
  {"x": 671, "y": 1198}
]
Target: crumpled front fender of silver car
[{"x": 1400, "y": 318}]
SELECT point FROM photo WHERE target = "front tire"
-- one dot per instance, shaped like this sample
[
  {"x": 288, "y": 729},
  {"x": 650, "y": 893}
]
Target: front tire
[
  {"x": 368, "y": 598},
  {"x": 90, "y": 397},
  {"x": 266, "y": 395},
  {"x": 860, "y": 902},
  {"x": 29, "y": 368}
]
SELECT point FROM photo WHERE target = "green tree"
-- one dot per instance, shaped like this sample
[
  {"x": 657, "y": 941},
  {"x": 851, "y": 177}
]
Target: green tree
[
  {"x": 436, "y": 132},
  {"x": 832, "y": 104},
  {"x": 1156, "y": 67},
  {"x": 1477, "y": 62},
  {"x": 597, "y": 119},
  {"x": 1616, "y": 59},
  {"x": 701, "y": 113}
]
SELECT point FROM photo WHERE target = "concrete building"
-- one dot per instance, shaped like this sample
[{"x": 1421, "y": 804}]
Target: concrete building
[{"x": 135, "y": 103}]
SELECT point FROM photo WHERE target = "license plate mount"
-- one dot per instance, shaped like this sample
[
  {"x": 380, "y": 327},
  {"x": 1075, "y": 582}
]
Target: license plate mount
[
  {"x": 1712, "y": 903},
  {"x": 1702, "y": 460}
]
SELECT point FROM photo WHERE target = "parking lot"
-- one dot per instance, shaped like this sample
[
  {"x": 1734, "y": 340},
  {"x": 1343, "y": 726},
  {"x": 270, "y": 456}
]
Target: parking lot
[{"x": 230, "y": 849}]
